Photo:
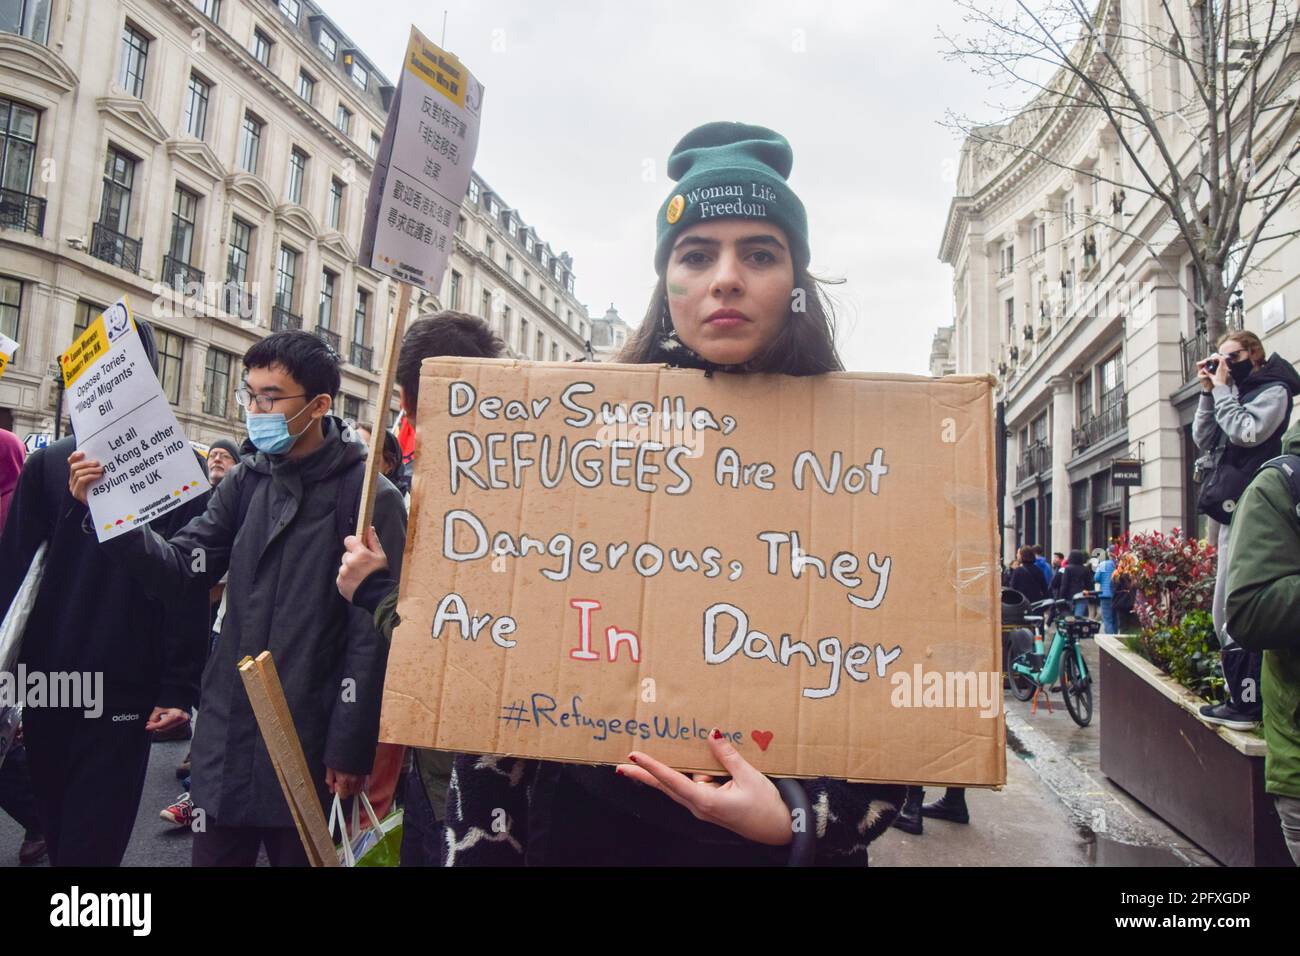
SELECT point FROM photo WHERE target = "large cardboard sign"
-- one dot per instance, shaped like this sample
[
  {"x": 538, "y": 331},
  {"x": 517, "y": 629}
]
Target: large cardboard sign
[
  {"x": 121, "y": 417},
  {"x": 423, "y": 168},
  {"x": 615, "y": 557}
]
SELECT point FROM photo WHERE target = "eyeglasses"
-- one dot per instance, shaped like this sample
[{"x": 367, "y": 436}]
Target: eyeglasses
[{"x": 264, "y": 402}]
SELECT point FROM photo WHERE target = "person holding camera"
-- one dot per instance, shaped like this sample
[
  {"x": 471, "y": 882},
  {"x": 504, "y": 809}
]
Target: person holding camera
[{"x": 1245, "y": 407}]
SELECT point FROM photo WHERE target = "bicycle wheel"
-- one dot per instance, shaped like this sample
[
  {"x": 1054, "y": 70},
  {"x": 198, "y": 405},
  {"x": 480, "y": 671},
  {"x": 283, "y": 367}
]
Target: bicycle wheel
[
  {"x": 1076, "y": 687},
  {"x": 1021, "y": 687}
]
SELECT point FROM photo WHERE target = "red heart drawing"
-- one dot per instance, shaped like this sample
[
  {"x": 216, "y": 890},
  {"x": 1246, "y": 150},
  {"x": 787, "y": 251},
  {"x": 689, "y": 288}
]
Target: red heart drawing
[{"x": 762, "y": 738}]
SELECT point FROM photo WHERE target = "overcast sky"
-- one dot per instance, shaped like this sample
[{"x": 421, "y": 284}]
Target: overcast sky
[{"x": 585, "y": 99}]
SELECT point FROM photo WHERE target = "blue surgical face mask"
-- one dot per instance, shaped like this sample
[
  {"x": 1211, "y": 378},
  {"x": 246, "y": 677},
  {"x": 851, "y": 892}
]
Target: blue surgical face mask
[{"x": 270, "y": 433}]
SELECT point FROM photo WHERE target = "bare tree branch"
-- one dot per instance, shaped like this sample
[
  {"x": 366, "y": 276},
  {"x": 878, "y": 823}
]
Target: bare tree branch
[{"x": 1214, "y": 157}]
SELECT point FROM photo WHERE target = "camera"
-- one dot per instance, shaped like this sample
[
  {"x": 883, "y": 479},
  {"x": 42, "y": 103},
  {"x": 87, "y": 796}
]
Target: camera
[{"x": 1212, "y": 365}]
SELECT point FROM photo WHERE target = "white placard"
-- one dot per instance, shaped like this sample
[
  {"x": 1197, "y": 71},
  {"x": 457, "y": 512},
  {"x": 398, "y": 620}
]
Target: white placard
[
  {"x": 121, "y": 418},
  {"x": 423, "y": 169}
]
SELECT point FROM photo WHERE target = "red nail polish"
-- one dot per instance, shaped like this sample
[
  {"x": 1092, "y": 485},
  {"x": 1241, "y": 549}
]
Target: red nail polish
[
  {"x": 619, "y": 771},
  {"x": 632, "y": 757},
  {"x": 717, "y": 735}
]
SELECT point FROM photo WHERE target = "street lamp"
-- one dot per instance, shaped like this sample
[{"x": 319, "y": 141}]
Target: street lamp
[
  {"x": 57, "y": 373},
  {"x": 1236, "y": 307}
]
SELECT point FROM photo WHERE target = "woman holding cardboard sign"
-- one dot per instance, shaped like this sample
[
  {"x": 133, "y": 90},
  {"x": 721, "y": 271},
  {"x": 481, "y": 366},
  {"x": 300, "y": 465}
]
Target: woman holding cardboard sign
[{"x": 734, "y": 295}]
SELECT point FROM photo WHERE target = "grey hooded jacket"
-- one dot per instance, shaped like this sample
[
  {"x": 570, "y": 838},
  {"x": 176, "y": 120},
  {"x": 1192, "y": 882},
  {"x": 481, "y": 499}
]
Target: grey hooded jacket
[{"x": 1249, "y": 422}]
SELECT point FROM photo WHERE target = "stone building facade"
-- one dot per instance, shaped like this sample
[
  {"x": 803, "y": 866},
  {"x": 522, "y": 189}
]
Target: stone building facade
[
  {"x": 1078, "y": 296},
  {"x": 210, "y": 159}
]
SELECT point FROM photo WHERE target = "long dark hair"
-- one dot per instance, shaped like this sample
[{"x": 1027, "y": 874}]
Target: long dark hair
[{"x": 804, "y": 346}]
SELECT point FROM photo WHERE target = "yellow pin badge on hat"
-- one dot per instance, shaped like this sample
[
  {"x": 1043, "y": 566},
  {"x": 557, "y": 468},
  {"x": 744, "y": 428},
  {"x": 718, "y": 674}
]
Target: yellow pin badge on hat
[{"x": 675, "y": 207}]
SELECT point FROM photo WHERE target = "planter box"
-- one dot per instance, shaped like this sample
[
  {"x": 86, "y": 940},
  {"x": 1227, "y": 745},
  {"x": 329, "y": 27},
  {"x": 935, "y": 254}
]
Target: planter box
[{"x": 1205, "y": 781}]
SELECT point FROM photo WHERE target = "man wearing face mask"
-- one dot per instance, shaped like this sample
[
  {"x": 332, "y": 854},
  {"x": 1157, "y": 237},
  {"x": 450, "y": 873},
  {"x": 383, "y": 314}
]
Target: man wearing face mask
[
  {"x": 1245, "y": 407},
  {"x": 277, "y": 525}
]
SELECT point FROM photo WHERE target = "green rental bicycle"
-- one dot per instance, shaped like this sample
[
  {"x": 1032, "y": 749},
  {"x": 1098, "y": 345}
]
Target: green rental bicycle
[{"x": 1063, "y": 662}]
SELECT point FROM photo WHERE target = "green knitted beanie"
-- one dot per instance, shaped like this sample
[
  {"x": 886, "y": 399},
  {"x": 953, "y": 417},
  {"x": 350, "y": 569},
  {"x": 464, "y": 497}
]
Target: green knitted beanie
[{"x": 728, "y": 171}]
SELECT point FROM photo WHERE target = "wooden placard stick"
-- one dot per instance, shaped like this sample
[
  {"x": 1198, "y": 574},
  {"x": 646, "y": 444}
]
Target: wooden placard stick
[
  {"x": 375, "y": 464},
  {"x": 307, "y": 803},
  {"x": 297, "y": 773},
  {"x": 264, "y": 702},
  {"x": 268, "y": 723},
  {"x": 266, "y": 695}
]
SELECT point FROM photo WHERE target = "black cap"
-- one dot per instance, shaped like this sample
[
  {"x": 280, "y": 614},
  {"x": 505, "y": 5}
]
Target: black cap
[{"x": 228, "y": 445}]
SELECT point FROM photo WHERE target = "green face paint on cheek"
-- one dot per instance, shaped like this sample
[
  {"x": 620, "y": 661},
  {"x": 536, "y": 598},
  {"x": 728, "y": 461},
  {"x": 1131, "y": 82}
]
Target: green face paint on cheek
[{"x": 674, "y": 289}]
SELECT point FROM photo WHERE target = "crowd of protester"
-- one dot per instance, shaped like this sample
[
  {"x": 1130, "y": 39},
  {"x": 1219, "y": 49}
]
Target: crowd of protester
[{"x": 280, "y": 569}]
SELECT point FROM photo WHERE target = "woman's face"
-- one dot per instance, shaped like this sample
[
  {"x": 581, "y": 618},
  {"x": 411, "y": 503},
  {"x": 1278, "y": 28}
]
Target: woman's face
[
  {"x": 1237, "y": 352},
  {"x": 729, "y": 287}
]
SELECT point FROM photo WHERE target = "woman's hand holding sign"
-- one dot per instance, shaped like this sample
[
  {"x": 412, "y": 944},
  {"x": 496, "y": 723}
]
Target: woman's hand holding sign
[
  {"x": 748, "y": 804},
  {"x": 82, "y": 473}
]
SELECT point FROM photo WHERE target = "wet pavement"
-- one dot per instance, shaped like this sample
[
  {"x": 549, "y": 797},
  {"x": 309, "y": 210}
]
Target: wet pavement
[
  {"x": 1125, "y": 829},
  {"x": 1057, "y": 808}
]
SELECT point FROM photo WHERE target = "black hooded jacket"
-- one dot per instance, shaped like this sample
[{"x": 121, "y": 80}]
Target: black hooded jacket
[
  {"x": 1275, "y": 371},
  {"x": 1236, "y": 457},
  {"x": 272, "y": 525},
  {"x": 90, "y": 616}
]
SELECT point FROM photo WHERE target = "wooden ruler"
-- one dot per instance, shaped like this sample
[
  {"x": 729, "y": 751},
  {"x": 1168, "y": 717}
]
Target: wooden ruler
[{"x": 276, "y": 724}]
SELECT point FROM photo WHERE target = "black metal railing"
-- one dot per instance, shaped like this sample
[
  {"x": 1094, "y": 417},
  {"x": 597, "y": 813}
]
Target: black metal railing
[
  {"x": 362, "y": 356},
  {"x": 21, "y": 211},
  {"x": 1193, "y": 350},
  {"x": 1112, "y": 420},
  {"x": 181, "y": 276},
  {"x": 237, "y": 300},
  {"x": 282, "y": 320},
  {"x": 1199, "y": 345},
  {"x": 115, "y": 248},
  {"x": 332, "y": 339},
  {"x": 1034, "y": 461}
]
